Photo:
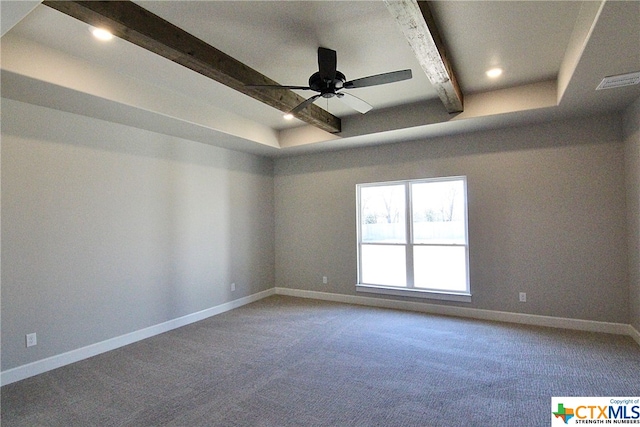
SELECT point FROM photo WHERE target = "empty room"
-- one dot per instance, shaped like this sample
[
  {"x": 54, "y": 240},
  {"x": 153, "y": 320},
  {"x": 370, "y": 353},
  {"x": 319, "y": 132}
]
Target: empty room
[{"x": 320, "y": 213}]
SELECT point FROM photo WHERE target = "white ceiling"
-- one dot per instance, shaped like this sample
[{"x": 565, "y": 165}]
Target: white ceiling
[
  {"x": 535, "y": 42},
  {"x": 527, "y": 39}
]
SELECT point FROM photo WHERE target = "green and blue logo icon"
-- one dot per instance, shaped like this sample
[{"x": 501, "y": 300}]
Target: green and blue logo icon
[{"x": 565, "y": 413}]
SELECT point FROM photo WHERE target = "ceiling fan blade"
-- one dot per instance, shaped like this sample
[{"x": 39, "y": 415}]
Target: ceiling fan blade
[
  {"x": 304, "y": 104},
  {"x": 278, "y": 87},
  {"x": 354, "y": 102},
  {"x": 379, "y": 79},
  {"x": 327, "y": 64}
]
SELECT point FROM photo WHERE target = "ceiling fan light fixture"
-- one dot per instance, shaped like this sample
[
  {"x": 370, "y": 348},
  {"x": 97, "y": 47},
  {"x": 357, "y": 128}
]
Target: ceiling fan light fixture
[{"x": 494, "y": 73}]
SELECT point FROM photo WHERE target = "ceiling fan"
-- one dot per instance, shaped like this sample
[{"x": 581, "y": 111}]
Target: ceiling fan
[{"x": 329, "y": 82}]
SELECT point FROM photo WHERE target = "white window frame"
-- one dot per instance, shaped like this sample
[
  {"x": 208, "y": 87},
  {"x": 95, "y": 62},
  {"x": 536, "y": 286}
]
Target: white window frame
[{"x": 409, "y": 290}]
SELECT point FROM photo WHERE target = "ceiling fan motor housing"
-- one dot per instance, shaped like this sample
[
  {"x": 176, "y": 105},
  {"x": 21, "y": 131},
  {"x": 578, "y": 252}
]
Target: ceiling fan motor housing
[{"x": 327, "y": 88}]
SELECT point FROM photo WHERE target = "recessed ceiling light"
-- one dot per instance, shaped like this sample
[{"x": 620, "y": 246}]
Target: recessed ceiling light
[
  {"x": 288, "y": 116},
  {"x": 101, "y": 34},
  {"x": 494, "y": 72}
]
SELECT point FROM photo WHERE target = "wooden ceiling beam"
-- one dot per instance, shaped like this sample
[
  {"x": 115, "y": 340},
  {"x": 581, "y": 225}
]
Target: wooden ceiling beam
[
  {"x": 137, "y": 25},
  {"x": 419, "y": 28}
]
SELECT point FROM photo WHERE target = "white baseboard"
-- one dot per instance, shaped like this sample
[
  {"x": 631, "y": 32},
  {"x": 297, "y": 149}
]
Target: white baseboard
[
  {"x": 38, "y": 367},
  {"x": 474, "y": 313}
]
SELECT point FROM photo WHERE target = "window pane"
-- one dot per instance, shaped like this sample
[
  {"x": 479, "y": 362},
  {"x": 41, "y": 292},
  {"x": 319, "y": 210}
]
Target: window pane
[
  {"x": 439, "y": 212},
  {"x": 440, "y": 267},
  {"x": 383, "y": 265},
  {"x": 382, "y": 214}
]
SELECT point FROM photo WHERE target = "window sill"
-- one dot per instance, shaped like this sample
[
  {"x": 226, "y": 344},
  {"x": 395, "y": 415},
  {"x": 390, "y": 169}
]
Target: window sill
[{"x": 414, "y": 293}]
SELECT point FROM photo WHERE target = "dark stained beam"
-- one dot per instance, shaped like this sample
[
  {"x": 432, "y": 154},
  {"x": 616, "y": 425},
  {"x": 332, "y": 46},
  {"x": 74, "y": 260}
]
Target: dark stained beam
[
  {"x": 419, "y": 28},
  {"x": 137, "y": 25}
]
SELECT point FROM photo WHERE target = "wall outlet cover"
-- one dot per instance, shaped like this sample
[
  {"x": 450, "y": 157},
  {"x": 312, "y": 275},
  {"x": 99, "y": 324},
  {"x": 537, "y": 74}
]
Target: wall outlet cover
[{"x": 32, "y": 339}]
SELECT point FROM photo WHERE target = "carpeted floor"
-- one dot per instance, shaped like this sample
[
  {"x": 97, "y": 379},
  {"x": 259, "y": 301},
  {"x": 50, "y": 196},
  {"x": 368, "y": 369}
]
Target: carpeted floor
[{"x": 286, "y": 361}]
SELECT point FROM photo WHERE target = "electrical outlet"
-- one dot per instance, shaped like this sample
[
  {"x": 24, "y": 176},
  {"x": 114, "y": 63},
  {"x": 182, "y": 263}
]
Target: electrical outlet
[
  {"x": 233, "y": 287},
  {"x": 523, "y": 297},
  {"x": 32, "y": 340},
  {"x": 324, "y": 279}
]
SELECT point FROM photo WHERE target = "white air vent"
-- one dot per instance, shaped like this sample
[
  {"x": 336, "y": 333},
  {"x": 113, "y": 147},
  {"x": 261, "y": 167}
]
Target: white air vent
[{"x": 619, "y": 81}]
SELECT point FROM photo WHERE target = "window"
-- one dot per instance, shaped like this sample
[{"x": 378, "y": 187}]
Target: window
[{"x": 412, "y": 238}]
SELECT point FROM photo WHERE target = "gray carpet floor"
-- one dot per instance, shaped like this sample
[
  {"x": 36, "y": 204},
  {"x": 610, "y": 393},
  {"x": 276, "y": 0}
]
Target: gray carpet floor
[{"x": 286, "y": 361}]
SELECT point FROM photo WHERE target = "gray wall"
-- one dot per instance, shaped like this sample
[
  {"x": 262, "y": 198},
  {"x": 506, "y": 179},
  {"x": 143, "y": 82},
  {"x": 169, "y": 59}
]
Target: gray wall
[
  {"x": 546, "y": 215},
  {"x": 108, "y": 229},
  {"x": 632, "y": 170}
]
